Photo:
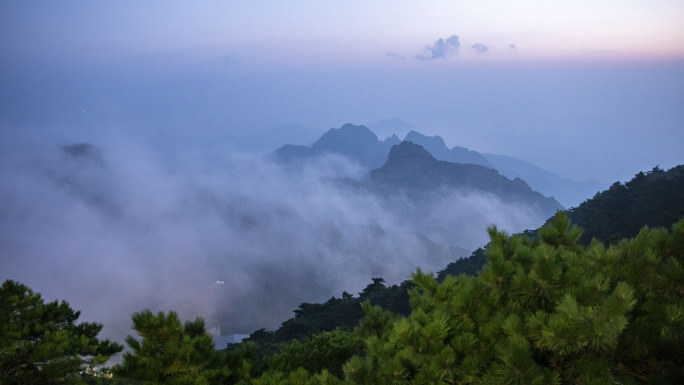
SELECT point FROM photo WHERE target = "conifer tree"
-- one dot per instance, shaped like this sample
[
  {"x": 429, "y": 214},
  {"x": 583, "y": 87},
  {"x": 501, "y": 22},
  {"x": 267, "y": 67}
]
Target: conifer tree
[
  {"x": 542, "y": 311},
  {"x": 170, "y": 352},
  {"x": 41, "y": 343}
]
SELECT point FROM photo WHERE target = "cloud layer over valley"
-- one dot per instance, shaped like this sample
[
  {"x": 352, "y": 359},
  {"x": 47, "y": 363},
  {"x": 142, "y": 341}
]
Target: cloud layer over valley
[{"x": 117, "y": 227}]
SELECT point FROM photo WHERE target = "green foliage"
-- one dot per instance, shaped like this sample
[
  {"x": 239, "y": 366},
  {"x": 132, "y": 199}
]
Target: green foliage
[
  {"x": 469, "y": 266},
  {"x": 324, "y": 351},
  {"x": 41, "y": 343},
  {"x": 654, "y": 199},
  {"x": 343, "y": 313},
  {"x": 170, "y": 352},
  {"x": 542, "y": 311}
]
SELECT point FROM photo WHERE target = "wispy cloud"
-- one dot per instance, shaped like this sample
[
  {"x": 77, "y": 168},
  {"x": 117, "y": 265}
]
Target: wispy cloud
[
  {"x": 480, "y": 48},
  {"x": 440, "y": 49},
  {"x": 394, "y": 55}
]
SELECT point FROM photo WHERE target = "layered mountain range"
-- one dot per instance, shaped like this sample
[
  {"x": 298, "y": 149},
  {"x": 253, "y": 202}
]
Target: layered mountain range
[
  {"x": 414, "y": 171},
  {"x": 361, "y": 145}
]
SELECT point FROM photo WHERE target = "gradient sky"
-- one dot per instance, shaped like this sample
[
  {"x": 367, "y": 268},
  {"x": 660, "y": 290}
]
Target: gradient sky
[
  {"x": 543, "y": 80},
  {"x": 334, "y": 31}
]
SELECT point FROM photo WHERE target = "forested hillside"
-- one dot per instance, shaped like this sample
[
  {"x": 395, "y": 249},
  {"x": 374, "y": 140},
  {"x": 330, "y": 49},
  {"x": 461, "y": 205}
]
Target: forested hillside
[
  {"x": 657, "y": 199},
  {"x": 654, "y": 198},
  {"x": 543, "y": 310}
]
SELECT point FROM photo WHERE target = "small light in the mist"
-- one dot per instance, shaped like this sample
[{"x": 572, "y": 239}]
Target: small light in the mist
[{"x": 220, "y": 282}]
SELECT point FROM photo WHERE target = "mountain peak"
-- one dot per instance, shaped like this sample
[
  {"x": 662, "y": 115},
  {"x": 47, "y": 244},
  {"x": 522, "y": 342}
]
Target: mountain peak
[
  {"x": 348, "y": 135},
  {"x": 357, "y": 143},
  {"x": 434, "y": 144},
  {"x": 406, "y": 153},
  {"x": 438, "y": 148},
  {"x": 411, "y": 168}
]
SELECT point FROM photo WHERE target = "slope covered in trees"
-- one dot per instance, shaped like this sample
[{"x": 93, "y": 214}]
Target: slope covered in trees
[
  {"x": 342, "y": 313},
  {"x": 658, "y": 189},
  {"x": 544, "y": 310},
  {"x": 654, "y": 198}
]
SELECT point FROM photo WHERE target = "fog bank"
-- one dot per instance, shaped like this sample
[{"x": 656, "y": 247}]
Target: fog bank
[{"x": 117, "y": 227}]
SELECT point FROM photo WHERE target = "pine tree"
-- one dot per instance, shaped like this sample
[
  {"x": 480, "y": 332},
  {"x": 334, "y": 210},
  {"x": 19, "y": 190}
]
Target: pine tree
[
  {"x": 170, "y": 352},
  {"x": 542, "y": 311},
  {"x": 41, "y": 343}
]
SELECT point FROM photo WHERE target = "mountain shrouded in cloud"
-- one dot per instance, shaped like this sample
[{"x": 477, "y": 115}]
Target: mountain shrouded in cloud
[
  {"x": 436, "y": 146},
  {"x": 355, "y": 142},
  {"x": 411, "y": 168},
  {"x": 360, "y": 145}
]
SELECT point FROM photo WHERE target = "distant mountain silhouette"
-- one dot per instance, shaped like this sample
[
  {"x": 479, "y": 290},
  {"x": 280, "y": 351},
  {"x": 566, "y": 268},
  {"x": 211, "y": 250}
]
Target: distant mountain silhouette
[
  {"x": 360, "y": 144},
  {"x": 392, "y": 126},
  {"x": 412, "y": 169},
  {"x": 436, "y": 146},
  {"x": 357, "y": 143},
  {"x": 569, "y": 192}
]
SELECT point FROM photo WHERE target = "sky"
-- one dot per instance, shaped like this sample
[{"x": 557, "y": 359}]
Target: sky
[
  {"x": 560, "y": 84},
  {"x": 170, "y": 93}
]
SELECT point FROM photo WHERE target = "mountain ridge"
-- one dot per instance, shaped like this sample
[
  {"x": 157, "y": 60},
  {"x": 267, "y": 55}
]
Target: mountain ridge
[
  {"x": 371, "y": 153},
  {"x": 358, "y": 143},
  {"x": 410, "y": 167}
]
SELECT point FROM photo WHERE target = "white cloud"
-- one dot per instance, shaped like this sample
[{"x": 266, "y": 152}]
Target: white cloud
[{"x": 440, "y": 49}]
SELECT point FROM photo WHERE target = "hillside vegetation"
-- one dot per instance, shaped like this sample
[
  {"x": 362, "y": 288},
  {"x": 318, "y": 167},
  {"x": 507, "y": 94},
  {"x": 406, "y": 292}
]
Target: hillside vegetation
[
  {"x": 657, "y": 197},
  {"x": 654, "y": 198}
]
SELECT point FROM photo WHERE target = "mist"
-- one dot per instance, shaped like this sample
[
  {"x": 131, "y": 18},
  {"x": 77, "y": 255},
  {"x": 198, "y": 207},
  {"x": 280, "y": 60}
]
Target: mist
[{"x": 117, "y": 226}]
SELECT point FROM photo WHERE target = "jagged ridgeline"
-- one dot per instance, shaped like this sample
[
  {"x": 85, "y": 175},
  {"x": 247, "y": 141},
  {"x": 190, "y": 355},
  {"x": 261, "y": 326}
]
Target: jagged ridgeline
[
  {"x": 362, "y": 146},
  {"x": 413, "y": 170},
  {"x": 654, "y": 199}
]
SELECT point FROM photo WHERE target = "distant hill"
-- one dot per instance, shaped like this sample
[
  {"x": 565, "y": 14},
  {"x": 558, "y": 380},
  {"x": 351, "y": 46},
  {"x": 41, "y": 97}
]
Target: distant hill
[
  {"x": 391, "y": 126},
  {"x": 357, "y": 143},
  {"x": 412, "y": 169},
  {"x": 436, "y": 146},
  {"x": 567, "y": 191},
  {"x": 654, "y": 199}
]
